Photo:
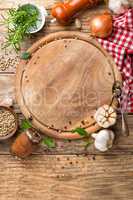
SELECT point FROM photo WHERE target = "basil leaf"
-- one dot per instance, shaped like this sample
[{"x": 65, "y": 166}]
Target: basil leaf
[
  {"x": 49, "y": 142},
  {"x": 25, "y": 125},
  {"x": 25, "y": 55},
  {"x": 80, "y": 131}
]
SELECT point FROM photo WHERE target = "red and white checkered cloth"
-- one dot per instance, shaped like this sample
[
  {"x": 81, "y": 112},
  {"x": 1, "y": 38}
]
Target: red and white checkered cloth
[{"x": 120, "y": 46}]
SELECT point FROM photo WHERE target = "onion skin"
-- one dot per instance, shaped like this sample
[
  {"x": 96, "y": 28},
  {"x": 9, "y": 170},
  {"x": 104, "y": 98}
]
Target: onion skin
[{"x": 101, "y": 26}]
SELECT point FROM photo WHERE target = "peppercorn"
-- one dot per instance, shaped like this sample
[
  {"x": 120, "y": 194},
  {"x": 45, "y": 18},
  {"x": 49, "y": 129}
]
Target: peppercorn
[{"x": 8, "y": 122}]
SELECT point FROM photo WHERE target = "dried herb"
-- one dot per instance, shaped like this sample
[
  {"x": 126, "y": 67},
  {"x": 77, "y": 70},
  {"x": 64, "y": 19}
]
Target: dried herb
[
  {"x": 25, "y": 125},
  {"x": 25, "y": 55},
  {"x": 18, "y": 22},
  {"x": 49, "y": 142},
  {"x": 80, "y": 131}
]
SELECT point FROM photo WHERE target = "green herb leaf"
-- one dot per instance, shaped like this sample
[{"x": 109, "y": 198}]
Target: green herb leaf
[
  {"x": 80, "y": 131},
  {"x": 25, "y": 55},
  {"x": 25, "y": 125},
  {"x": 49, "y": 142},
  {"x": 19, "y": 22}
]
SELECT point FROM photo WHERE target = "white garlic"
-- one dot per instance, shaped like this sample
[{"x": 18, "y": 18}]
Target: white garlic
[
  {"x": 105, "y": 116},
  {"x": 103, "y": 140},
  {"x": 118, "y": 6},
  {"x": 6, "y": 101}
]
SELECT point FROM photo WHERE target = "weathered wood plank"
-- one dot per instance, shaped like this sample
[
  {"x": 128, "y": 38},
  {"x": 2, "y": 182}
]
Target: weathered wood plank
[
  {"x": 13, "y": 3},
  {"x": 7, "y": 86},
  {"x": 124, "y": 145},
  {"x": 64, "y": 177},
  {"x": 67, "y": 177},
  {"x": 46, "y": 3}
]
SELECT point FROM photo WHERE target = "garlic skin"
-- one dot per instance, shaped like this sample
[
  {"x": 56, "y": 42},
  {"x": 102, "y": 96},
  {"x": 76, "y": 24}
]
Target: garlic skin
[
  {"x": 103, "y": 140},
  {"x": 6, "y": 101},
  {"x": 105, "y": 116},
  {"x": 118, "y": 6}
]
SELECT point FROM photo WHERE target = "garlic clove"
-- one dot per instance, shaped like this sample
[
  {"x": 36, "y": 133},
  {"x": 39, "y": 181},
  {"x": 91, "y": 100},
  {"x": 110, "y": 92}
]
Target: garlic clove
[
  {"x": 119, "y": 6},
  {"x": 103, "y": 140},
  {"x": 112, "y": 120},
  {"x": 100, "y": 147},
  {"x": 7, "y": 101},
  {"x": 106, "y": 124},
  {"x": 106, "y": 107},
  {"x": 94, "y": 135},
  {"x": 110, "y": 109},
  {"x": 113, "y": 115},
  {"x": 101, "y": 118}
]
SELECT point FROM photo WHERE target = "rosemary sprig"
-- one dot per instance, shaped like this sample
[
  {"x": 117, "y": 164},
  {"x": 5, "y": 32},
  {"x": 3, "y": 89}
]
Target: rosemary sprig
[{"x": 18, "y": 22}]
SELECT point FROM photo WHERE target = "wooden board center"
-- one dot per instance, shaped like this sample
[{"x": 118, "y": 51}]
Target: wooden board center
[{"x": 65, "y": 81}]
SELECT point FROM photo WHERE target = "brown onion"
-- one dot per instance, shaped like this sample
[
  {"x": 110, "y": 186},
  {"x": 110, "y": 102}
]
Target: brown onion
[{"x": 101, "y": 26}]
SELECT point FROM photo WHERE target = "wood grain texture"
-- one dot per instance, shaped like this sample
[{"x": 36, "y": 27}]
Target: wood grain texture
[
  {"x": 125, "y": 144},
  {"x": 67, "y": 177},
  {"x": 13, "y": 3},
  {"x": 7, "y": 88},
  {"x": 66, "y": 79}
]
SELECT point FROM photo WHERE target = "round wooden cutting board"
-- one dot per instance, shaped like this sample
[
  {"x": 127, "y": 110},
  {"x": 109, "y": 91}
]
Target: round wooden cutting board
[{"x": 66, "y": 79}]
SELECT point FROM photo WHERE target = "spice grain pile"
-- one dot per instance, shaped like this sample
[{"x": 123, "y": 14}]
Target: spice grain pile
[
  {"x": 7, "y": 122},
  {"x": 7, "y": 62}
]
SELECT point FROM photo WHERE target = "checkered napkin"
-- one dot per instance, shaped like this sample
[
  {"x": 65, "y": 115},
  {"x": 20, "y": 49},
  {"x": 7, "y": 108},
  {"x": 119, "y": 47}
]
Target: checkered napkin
[{"x": 120, "y": 46}]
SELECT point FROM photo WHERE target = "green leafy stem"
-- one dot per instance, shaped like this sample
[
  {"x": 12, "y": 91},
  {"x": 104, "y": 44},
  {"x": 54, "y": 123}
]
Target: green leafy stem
[{"x": 18, "y": 22}]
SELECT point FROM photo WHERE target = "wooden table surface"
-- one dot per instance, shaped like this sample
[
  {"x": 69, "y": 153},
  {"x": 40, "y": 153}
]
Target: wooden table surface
[{"x": 68, "y": 172}]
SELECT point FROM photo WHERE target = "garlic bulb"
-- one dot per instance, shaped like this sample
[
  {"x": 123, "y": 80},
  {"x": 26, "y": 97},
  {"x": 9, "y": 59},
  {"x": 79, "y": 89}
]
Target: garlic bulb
[
  {"x": 6, "y": 101},
  {"x": 105, "y": 116},
  {"x": 103, "y": 140},
  {"x": 118, "y": 6}
]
